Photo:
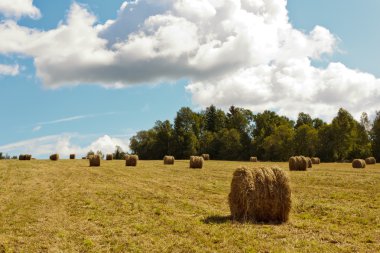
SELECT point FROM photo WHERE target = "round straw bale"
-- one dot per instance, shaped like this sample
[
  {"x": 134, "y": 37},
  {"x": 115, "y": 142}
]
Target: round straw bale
[
  {"x": 260, "y": 195},
  {"x": 253, "y": 159},
  {"x": 131, "y": 160},
  {"x": 84, "y": 158},
  {"x": 309, "y": 163},
  {"x": 206, "y": 157},
  {"x": 358, "y": 164},
  {"x": 109, "y": 157},
  {"x": 196, "y": 162},
  {"x": 54, "y": 157},
  {"x": 298, "y": 163},
  {"x": 95, "y": 161},
  {"x": 28, "y": 157},
  {"x": 72, "y": 156},
  {"x": 169, "y": 159},
  {"x": 21, "y": 157},
  {"x": 315, "y": 160},
  {"x": 370, "y": 160}
]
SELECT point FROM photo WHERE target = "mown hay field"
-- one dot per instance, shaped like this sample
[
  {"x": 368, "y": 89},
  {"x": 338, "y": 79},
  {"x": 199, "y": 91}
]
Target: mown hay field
[{"x": 67, "y": 206}]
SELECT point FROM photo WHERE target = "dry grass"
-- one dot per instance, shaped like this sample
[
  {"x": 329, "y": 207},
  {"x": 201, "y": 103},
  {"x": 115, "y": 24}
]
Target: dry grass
[{"x": 67, "y": 206}]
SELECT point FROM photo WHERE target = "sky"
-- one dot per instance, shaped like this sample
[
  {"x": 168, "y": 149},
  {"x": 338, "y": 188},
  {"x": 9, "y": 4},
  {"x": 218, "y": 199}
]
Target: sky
[{"x": 87, "y": 75}]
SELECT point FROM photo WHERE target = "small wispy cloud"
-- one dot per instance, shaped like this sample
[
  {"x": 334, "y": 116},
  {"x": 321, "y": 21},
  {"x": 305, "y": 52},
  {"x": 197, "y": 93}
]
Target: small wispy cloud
[
  {"x": 38, "y": 126},
  {"x": 9, "y": 70}
]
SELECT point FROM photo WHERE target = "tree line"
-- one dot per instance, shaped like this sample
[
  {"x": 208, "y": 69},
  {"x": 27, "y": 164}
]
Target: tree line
[{"x": 239, "y": 134}]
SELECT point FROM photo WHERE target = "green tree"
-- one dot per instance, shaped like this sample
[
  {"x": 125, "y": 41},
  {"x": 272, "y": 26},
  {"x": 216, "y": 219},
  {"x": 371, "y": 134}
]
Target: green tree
[
  {"x": 306, "y": 140},
  {"x": 228, "y": 141},
  {"x": 304, "y": 119},
  {"x": 279, "y": 145},
  {"x": 375, "y": 135},
  {"x": 215, "y": 119},
  {"x": 143, "y": 144}
]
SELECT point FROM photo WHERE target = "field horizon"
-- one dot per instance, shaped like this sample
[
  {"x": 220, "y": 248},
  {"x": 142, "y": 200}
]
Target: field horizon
[{"x": 66, "y": 206}]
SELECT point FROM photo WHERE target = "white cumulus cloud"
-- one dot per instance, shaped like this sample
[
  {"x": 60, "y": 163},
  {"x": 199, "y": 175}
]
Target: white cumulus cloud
[
  {"x": 9, "y": 70},
  {"x": 19, "y": 8},
  {"x": 63, "y": 144},
  {"x": 241, "y": 52}
]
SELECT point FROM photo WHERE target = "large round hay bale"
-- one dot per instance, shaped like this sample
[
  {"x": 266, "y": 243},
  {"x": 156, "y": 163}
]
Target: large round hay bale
[
  {"x": 206, "y": 157},
  {"x": 260, "y": 195},
  {"x": 54, "y": 157},
  {"x": 370, "y": 160},
  {"x": 298, "y": 163},
  {"x": 358, "y": 164},
  {"x": 109, "y": 157},
  {"x": 169, "y": 160},
  {"x": 253, "y": 159},
  {"x": 28, "y": 157},
  {"x": 21, "y": 157},
  {"x": 131, "y": 160},
  {"x": 309, "y": 162},
  {"x": 94, "y": 161},
  {"x": 315, "y": 160},
  {"x": 72, "y": 156},
  {"x": 196, "y": 162}
]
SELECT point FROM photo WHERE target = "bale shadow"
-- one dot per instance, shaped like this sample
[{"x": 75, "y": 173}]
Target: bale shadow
[{"x": 217, "y": 219}]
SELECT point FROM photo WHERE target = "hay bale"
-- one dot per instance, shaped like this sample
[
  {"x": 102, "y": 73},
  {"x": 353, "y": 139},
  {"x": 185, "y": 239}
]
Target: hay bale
[
  {"x": 84, "y": 158},
  {"x": 72, "y": 156},
  {"x": 21, "y": 157},
  {"x": 169, "y": 160},
  {"x": 370, "y": 160},
  {"x": 358, "y": 164},
  {"x": 309, "y": 163},
  {"x": 109, "y": 157},
  {"x": 131, "y": 160},
  {"x": 206, "y": 157},
  {"x": 298, "y": 163},
  {"x": 196, "y": 162},
  {"x": 94, "y": 161},
  {"x": 54, "y": 157},
  {"x": 27, "y": 157},
  {"x": 260, "y": 195},
  {"x": 315, "y": 160},
  {"x": 253, "y": 159}
]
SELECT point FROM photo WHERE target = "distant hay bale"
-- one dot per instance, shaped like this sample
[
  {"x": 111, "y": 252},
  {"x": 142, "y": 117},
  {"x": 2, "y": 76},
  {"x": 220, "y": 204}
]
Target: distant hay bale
[
  {"x": 25, "y": 157},
  {"x": 109, "y": 157},
  {"x": 196, "y": 162},
  {"x": 206, "y": 157},
  {"x": 309, "y": 162},
  {"x": 298, "y": 163},
  {"x": 54, "y": 157},
  {"x": 315, "y": 160},
  {"x": 84, "y": 158},
  {"x": 95, "y": 161},
  {"x": 131, "y": 160},
  {"x": 358, "y": 164},
  {"x": 72, "y": 156},
  {"x": 260, "y": 195},
  {"x": 169, "y": 160},
  {"x": 370, "y": 160},
  {"x": 253, "y": 159}
]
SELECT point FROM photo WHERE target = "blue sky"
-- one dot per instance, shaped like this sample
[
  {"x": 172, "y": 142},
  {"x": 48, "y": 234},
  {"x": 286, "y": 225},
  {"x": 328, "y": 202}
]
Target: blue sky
[{"x": 68, "y": 87}]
